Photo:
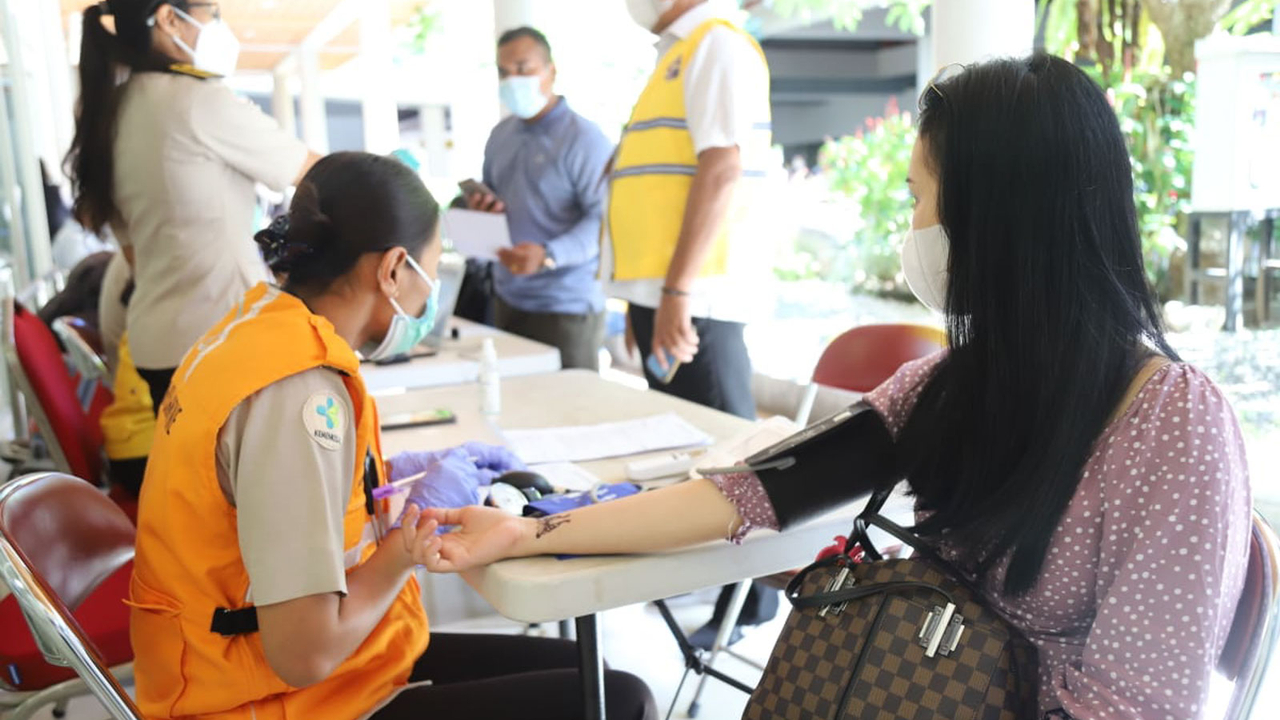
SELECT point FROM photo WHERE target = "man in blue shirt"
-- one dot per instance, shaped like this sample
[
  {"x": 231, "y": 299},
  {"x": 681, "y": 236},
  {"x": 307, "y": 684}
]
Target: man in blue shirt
[{"x": 545, "y": 165}]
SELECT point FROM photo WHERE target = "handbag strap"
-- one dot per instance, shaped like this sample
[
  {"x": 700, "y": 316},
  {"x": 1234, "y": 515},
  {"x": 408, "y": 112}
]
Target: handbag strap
[{"x": 871, "y": 517}]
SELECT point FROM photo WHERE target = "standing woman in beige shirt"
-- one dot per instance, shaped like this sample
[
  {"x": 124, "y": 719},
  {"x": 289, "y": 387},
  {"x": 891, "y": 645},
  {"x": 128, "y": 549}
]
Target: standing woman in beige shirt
[{"x": 168, "y": 156}]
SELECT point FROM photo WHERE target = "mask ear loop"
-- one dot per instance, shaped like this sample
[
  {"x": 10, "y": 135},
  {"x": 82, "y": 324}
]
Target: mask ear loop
[{"x": 421, "y": 273}]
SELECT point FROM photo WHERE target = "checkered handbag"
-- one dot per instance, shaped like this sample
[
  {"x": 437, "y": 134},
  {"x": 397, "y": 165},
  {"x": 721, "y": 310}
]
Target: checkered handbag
[{"x": 908, "y": 639}]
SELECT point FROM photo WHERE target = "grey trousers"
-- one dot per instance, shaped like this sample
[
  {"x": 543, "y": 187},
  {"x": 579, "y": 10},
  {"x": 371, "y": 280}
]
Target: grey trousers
[{"x": 578, "y": 337}]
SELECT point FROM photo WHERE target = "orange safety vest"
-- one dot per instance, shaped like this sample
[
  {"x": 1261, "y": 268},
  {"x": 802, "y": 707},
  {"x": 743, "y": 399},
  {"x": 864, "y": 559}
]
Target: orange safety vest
[{"x": 188, "y": 561}]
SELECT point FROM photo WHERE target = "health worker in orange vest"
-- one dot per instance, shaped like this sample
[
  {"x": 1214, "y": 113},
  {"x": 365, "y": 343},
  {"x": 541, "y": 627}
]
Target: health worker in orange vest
[{"x": 270, "y": 579}]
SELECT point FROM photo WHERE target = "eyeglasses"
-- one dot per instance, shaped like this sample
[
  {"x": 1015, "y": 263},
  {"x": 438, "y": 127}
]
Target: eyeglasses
[{"x": 947, "y": 73}]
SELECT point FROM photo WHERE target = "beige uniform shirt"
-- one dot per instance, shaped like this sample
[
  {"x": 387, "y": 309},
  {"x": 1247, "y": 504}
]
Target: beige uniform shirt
[
  {"x": 290, "y": 490},
  {"x": 187, "y": 154},
  {"x": 111, "y": 312}
]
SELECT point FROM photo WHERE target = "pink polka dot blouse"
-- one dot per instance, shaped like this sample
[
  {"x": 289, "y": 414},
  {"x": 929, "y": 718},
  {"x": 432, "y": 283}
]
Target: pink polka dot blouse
[{"x": 1140, "y": 584}]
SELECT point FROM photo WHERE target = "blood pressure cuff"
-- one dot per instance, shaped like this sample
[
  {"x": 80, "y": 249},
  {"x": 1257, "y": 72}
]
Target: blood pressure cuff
[{"x": 831, "y": 463}]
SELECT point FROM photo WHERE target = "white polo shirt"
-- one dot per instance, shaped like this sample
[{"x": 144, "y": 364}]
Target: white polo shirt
[
  {"x": 187, "y": 155},
  {"x": 726, "y": 94}
]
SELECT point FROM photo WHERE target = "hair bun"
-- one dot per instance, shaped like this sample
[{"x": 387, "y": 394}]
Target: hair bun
[{"x": 277, "y": 250}]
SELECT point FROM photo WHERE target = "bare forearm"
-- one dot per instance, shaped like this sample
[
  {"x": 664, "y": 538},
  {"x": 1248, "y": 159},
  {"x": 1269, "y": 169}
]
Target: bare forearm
[
  {"x": 307, "y": 638},
  {"x": 719, "y": 170},
  {"x": 676, "y": 516}
]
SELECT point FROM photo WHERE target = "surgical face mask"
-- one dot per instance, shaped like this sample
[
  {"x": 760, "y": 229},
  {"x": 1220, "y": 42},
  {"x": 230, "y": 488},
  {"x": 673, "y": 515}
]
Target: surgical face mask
[
  {"x": 522, "y": 94},
  {"x": 925, "y": 254},
  {"x": 646, "y": 13},
  {"x": 217, "y": 48},
  {"x": 405, "y": 331}
]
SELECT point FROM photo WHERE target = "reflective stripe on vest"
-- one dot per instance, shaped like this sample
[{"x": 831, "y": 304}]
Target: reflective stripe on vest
[{"x": 654, "y": 167}]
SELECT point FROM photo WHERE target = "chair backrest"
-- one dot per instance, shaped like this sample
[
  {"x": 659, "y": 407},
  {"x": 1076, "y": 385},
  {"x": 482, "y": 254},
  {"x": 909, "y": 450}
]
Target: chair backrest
[
  {"x": 36, "y": 363},
  {"x": 864, "y": 357},
  {"x": 84, "y": 346},
  {"x": 59, "y": 539},
  {"x": 1256, "y": 627}
]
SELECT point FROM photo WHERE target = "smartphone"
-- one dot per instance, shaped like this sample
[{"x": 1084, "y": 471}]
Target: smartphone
[
  {"x": 663, "y": 376},
  {"x": 439, "y": 416},
  {"x": 419, "y": 351},
  {"x": 475, "y": 187}
]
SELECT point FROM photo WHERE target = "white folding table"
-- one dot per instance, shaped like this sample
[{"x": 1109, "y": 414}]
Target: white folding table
[{"x": 457, "y": 361}]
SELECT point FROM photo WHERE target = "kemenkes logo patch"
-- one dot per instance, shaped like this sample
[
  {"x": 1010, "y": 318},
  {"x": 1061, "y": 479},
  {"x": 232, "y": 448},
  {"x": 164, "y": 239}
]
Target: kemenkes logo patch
[{"x": 325, "y": 418}]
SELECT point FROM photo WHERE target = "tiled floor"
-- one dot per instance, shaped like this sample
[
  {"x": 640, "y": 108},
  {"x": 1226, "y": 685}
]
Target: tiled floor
[{"x": 635, "y": 639}]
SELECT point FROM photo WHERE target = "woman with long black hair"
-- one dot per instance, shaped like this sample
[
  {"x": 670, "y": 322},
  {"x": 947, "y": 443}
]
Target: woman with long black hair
[
  {"x": 167, "y": 156},
  {"x": 1059, "y": 452}
]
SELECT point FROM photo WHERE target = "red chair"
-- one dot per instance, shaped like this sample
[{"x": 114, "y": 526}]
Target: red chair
[
  {"x": 36, "y": 363},
  {"x": 861, "y": 359},
  {"x": 66, "y": 553},
  {"x": 84, "y": 347},
  {"x": 1256, "y": 628}
]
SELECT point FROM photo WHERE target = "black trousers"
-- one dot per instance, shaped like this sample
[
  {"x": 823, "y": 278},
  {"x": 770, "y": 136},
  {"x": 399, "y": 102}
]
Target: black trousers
[
  {"x": 720, "y": 374},
  {"x": 718, "y": 377},
  {"x": 578, "y": 337},
  {"x": 496, "y": 677},
  {"x": 158, "y": 383}
]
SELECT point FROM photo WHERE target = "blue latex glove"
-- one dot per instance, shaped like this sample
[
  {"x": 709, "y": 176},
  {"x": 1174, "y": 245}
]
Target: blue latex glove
[
  {"x": 494, "y": 460},
  {"x": 452, "y": 481}
]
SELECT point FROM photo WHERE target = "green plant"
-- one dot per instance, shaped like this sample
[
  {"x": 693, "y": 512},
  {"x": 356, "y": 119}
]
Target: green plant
[
  {"x": 1248, "y": 15},
  {"x": 418, "y": 29},
  {"x": 1156, "y": 113},
  {"x": 869, "y": 168}
]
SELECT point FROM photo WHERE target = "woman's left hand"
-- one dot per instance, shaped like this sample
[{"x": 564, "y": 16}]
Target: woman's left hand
[
  {"x": 482, "y": 535},
  {"x": 418, "y": 533}
]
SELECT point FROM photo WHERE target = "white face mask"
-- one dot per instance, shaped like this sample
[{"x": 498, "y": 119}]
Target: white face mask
[
  {"x": 646, "y": 13},
  {"x": 925, "y": 254},
  {"x": 522, "y": 94},
  {"x": 217, "y": 48}
]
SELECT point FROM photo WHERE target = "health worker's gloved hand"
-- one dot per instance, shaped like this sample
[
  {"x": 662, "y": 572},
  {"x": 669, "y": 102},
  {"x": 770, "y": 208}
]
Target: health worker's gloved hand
[
  {"x": 452, "y": 480},
  {"x": 494, "y": 460}
]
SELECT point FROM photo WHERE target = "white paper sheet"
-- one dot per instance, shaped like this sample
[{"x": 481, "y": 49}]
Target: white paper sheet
[
  {"x": 746, "y": 443},
  {"x": 605, "y": 440},
  {"x": 566, "y": 476},
  {"x": 477, "y": 234}
]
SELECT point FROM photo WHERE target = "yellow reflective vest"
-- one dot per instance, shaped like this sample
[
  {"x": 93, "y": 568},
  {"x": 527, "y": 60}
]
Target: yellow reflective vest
[{"x": 653, "y": 171}]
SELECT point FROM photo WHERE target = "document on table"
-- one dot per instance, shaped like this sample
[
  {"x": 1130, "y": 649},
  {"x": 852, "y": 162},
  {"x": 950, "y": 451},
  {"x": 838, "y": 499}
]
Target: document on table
[
  {"x": 566, "y": 476},
  {"x": 605, "y": 440},
  {"x": 477, "y": 234}
]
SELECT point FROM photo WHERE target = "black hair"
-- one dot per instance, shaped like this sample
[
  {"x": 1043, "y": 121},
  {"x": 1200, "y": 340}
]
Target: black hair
[
  {"x": 105, "y": 60},
  {"x": 527, "y": 32},
  {"x": 348, "y": 204},
  {"x": 1049, "y": 313}
]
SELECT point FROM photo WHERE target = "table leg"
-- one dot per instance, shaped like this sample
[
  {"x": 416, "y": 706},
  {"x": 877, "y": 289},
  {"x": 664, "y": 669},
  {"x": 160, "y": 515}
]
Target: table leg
[{"x": 590, "y": 668}]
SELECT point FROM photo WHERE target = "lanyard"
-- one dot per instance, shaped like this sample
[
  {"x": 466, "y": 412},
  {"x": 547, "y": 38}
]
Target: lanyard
[{"x": 370, "y": 503}]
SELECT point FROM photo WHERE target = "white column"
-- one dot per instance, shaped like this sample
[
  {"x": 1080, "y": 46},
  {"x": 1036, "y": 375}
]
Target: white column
[
  {"x": 378, "y": 101},
  {"x": 282, "y": 101},
  {"x": 508, "y": 14},
  {"x": 435, "y": 140},
  {"x": 471, "y": 87},
  {"x": 925, "y": 66},
  {"x": 969, "y": 31},
  {"x": 315, "y": 131},
  {"x": 26, "y": 170},
  {"x": 61, "y": 96}
]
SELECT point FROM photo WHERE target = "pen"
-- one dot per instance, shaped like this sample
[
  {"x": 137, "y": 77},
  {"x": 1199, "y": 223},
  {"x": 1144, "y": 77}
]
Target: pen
[{"x": 385, "y": 491}]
